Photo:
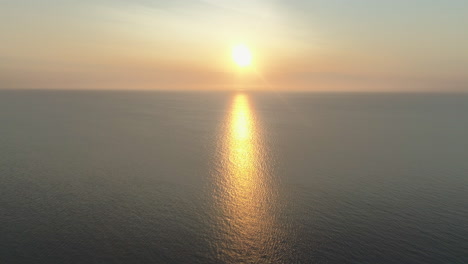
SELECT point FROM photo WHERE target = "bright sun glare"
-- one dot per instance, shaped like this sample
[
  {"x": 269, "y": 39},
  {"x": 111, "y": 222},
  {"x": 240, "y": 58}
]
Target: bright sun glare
[{"x": 241, "y": 55}]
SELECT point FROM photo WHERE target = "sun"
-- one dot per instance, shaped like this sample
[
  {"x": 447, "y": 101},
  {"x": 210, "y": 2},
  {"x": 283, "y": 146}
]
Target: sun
[{"x": 241, "y": 55}]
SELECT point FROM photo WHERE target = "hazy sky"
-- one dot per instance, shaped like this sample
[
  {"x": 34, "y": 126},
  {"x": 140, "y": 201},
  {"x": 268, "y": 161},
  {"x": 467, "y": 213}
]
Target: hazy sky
[{"x": 318, "y": 45}]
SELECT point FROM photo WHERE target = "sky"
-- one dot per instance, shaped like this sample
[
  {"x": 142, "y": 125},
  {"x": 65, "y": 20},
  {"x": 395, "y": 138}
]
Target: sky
[{"x": 311, "y": 45}]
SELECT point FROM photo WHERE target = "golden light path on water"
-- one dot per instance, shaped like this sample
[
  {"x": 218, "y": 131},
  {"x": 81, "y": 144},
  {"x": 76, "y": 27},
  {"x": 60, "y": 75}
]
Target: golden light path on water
[{"x": 244, "y": 192}]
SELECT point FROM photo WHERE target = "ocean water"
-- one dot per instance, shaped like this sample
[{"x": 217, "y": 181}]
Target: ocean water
[{"x": 179, "y": 177}]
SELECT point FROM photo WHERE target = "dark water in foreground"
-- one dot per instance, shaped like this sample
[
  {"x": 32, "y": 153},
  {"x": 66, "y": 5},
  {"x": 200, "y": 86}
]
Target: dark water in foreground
[{"x": 152, "y": 177}]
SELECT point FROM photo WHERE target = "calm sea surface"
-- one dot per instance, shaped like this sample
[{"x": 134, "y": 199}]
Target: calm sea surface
[{"x": 161, "y": 177}]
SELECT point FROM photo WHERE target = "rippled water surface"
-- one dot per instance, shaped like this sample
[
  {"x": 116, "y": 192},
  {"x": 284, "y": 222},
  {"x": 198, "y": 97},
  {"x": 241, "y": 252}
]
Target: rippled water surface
[{"x": 175, "y": 177}]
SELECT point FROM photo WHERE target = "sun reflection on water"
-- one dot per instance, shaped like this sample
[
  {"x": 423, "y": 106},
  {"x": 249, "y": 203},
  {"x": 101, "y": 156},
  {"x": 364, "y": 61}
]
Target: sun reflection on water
[{"x": 244, "y": 193}]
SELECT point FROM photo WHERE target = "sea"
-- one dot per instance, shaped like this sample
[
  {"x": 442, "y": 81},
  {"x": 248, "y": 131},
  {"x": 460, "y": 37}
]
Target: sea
[{"x": 233, "y": 177}]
